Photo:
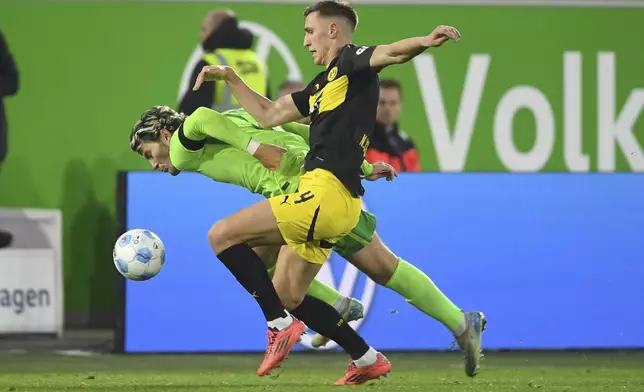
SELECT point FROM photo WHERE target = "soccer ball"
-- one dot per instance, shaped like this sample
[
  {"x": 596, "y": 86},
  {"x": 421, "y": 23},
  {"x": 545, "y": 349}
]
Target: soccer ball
[{"x": 139, "y": 254}]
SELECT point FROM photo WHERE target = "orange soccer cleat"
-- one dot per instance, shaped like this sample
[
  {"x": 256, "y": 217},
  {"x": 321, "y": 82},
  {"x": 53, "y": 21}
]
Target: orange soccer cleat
[
  {"x": 360, "y": 375},
  {"x": 279, "y": 346}
]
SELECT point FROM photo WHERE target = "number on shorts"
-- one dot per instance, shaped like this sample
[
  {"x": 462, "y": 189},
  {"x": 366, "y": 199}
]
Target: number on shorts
[{"x": 306, "y": 196}]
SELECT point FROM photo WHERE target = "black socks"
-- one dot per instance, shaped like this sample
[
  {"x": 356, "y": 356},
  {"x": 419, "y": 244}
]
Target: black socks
[{"x": 251, "y": 273}]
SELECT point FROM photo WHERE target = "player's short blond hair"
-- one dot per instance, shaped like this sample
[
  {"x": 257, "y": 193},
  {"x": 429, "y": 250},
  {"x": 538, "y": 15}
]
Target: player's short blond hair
[{"x": 152, "y": 121}]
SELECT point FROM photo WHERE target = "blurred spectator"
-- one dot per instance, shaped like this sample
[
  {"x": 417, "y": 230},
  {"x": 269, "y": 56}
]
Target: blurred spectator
[
  {"x": 224, "y": 43},
  {"x": 388, "y": 143},
  {"x": 8, "y": 86},
  {"x": 290, "y": 87}
]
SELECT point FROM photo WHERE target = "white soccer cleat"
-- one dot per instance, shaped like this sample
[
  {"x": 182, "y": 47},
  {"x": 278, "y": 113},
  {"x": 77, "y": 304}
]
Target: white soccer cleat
[{"x": 470, "y": 341}]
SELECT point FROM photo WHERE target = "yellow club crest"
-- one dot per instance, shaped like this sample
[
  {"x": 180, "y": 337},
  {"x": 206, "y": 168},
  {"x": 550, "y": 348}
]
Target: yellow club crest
[{"x": 333, "y": 73}]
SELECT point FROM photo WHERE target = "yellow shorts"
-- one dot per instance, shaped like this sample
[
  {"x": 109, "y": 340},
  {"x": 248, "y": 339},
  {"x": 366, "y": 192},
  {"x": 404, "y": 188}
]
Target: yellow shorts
[{"x": 315, "y": 217}]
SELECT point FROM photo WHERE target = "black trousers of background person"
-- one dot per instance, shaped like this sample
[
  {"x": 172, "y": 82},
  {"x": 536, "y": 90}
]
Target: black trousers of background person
[{"x": 5, "y": 239}]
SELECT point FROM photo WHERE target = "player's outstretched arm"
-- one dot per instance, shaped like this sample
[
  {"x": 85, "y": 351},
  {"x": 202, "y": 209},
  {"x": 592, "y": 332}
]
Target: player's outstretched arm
[
  {"x": 267, "y": 113},
  {"x": 206, "y": 122},
  {"x": 404, "y": 50}
]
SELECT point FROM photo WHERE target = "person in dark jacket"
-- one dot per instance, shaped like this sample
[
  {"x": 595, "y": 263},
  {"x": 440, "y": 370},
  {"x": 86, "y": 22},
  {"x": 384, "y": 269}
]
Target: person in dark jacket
[
  {"x": 388, "y": 143},
  {"x": 224, "y": 43},
  {"x": 8, "y": 86}
]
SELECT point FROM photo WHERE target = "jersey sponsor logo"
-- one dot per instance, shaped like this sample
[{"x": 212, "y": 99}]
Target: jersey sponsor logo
[
  {"x": 347, "y": 286},
  {"x": 332, "y": 74}
]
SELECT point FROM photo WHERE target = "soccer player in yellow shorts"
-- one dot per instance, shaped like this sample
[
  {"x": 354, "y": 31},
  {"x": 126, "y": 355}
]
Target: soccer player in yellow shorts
[{"x": 342, "y": 103}]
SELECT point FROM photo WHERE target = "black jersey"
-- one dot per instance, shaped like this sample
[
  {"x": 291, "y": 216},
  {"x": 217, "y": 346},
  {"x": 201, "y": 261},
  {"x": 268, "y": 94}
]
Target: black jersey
[{"x": 342, "y": 103}]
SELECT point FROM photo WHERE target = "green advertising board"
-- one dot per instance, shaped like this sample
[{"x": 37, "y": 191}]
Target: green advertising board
[{"x": 527, "y": 89}]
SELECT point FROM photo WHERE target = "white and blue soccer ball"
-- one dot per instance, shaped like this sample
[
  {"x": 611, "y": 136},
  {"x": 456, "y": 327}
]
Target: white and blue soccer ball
[{"x": 139, "y": 254}]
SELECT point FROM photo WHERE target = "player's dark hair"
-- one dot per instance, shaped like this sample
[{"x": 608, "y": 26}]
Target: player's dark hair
[
  {"x": 391, "y": 83},
  {"x": 152, "y": 121},
  {"x": 334, "y": 8}
]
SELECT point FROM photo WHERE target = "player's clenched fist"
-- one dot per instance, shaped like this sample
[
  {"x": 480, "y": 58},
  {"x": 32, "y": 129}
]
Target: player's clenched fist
[
  {"x": 440, "y": 35},
  {"x": 211, "y": 73}
]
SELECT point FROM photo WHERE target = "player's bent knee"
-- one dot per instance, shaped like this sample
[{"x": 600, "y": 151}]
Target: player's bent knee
[
  {"x": 290, "y": 299},
  {"x": 387, "y": 264},
  {"x": 378, "y": 275},
  {"x": 218, "y": 236},
  {"x": 378, "y": 263},
  {"x": 382, "y": 271},
  {"x": 283, "y": 292},
  {"x": 291, "y": 302}
]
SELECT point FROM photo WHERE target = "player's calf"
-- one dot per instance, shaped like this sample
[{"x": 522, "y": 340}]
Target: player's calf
[
  {"x": 231, "y": 239},
  {"x": 323, "y": 318},
  {"x": 288, "y": 290},
  {"x": 350, "y": 309}
]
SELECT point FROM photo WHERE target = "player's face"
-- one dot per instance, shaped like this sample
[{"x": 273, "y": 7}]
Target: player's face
[
  {"x": 317, "y": 37},
  {"x": 158, "y": 154},
  {"x": 389, "y": 106}
]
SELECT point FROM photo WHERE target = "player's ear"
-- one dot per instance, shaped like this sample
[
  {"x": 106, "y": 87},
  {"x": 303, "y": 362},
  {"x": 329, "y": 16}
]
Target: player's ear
[
  {"x": 166, "y": 135},
  {"x": 333, "y": 30}
]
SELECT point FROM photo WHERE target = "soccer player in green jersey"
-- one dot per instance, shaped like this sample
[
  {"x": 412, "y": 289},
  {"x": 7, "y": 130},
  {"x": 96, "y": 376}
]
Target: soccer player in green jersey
[{"x": 214, "y": 145}]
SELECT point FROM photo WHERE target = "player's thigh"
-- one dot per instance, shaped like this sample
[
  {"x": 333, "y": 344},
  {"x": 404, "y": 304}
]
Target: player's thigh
[
  {"x": 297, "y": 217},
  {"x": 254, "y": 225},
  {"x": 293, "y": 276},
  {"x": 359, "y": 238},
  {"x": 339, "y": 211},
  {"x": 268, "y": 254},
  {"x": 336, "y": 218},
  {"x": 376, "y": 260},
  {"x": 294, "y": 214}
]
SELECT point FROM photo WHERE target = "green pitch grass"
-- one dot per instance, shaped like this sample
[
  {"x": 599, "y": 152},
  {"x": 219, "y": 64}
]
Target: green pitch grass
[{"x": 312, "y": 372}]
